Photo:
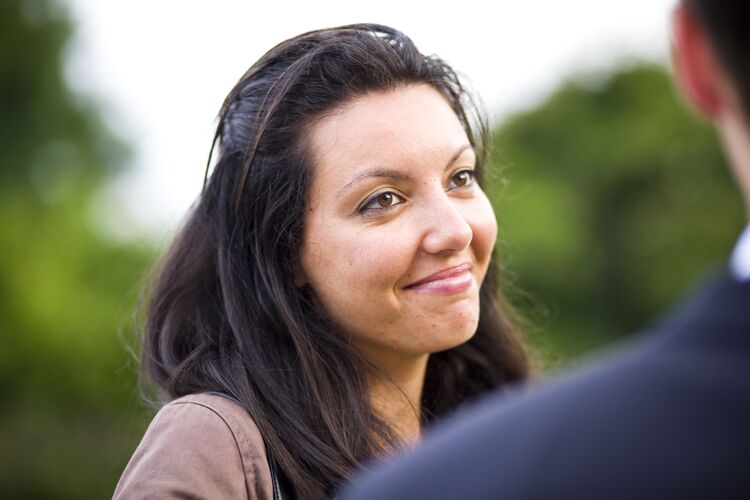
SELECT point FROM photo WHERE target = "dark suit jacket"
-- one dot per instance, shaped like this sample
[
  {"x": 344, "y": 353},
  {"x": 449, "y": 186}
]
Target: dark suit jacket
[{"x": 668, "y": 417}]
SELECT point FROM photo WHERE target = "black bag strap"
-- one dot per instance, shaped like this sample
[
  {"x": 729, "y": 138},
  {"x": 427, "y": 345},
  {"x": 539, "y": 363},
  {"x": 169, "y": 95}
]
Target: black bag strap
[{"x": 282, "y": 487}]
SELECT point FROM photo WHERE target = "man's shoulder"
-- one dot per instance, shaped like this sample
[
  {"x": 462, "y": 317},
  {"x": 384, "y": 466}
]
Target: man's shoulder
[
  {"x": 715, "y": 315},
  {"x": 702, "y": 345},
  {"x": 671, "y": 404},
  {"x": 648, "y": 417}
]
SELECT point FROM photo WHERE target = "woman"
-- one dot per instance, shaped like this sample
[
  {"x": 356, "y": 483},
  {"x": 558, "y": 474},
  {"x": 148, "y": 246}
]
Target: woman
[{"x": 333, "y": 289}]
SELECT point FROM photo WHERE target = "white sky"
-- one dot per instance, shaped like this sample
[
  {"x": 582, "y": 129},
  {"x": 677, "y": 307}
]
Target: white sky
[{"x": 163, "y": 67}]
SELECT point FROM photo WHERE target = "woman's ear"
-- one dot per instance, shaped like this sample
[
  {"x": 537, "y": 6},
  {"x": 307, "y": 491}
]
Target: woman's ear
[{"x": 696, "y": 69}]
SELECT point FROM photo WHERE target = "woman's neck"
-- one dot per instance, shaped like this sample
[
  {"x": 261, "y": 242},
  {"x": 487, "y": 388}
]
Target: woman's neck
[{"x": 396, "y": 395}]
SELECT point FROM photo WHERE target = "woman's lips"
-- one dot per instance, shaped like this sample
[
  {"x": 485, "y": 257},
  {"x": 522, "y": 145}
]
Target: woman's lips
[{"x": 445, "y": 282}]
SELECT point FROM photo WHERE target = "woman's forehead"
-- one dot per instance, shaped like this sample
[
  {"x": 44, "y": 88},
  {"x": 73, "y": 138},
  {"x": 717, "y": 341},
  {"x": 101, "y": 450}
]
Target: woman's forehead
[{"x": 386, "y": 129}]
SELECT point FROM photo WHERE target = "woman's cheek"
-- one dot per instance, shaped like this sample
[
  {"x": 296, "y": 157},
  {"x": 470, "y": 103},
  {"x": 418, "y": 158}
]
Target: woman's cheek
[
  {"x": 379, "y": 260},
  {"x": 484, "y": 226}
]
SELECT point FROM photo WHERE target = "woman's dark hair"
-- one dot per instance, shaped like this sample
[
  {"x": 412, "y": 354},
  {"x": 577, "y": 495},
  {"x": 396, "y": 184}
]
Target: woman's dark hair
[{"x": 224, "y": 313}]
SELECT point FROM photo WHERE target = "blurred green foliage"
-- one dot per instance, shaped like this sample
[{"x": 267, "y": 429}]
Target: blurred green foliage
[
  {"x": 611, "y": 199},
  {"x": 70, "y": 415}
]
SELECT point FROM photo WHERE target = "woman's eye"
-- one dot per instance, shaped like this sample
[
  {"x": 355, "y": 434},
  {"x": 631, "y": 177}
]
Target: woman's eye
[
  {"x": 382, "y": 201},
  {"x": 464, "y": 178}
]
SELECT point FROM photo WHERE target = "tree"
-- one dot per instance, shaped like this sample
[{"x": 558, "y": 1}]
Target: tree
[
  {"x": 67, "y": 292},
  {"x": 611, "y": 200}
]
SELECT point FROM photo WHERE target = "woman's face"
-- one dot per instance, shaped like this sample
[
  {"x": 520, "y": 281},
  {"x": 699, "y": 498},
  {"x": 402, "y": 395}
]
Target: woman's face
[{"x": 398, "y": 235}]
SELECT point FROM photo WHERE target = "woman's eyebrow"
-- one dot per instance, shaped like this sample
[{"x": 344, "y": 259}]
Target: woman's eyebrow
[
  {"x": 392, "y": 174},
  {"x": 384, "y": 173},
  {"x": 458, "y": 154}
]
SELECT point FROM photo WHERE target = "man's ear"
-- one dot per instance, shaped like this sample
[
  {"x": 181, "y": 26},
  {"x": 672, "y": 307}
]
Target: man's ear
[{"x": 697, "y": 70}]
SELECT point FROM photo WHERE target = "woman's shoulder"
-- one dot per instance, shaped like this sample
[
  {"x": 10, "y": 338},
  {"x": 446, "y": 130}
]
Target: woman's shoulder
[{"x": 201, "y": 446}]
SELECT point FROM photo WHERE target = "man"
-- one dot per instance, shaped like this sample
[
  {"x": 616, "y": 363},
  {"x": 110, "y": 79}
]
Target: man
[{"x": 667, "y": 418}]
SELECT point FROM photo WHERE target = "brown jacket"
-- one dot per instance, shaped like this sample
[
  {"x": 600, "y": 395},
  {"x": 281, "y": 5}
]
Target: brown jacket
[{"x": 199, "y": 447}]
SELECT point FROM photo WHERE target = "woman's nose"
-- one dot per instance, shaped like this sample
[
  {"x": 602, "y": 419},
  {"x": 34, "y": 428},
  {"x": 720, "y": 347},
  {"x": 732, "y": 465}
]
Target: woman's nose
[{"x": 447, "y": 229}]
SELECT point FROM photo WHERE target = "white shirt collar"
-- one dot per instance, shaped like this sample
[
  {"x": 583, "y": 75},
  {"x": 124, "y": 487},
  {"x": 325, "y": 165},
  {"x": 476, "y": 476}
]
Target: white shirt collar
[{"x": 740, "y": 262}]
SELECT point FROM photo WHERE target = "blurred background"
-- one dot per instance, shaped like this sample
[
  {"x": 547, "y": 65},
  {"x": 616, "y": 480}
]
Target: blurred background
[{"x": 611, "y": 198}]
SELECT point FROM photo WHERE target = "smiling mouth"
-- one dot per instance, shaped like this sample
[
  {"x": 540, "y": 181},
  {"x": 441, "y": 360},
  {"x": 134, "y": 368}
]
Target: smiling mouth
[{"x": 448, "y": 281}]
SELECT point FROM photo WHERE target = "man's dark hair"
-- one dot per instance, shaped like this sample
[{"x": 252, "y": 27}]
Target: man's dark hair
[
  {"x": 726, "y": 22},
  {"x": 225, "y": 313}
]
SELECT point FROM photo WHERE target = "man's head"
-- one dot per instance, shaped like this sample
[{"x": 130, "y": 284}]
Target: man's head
[
  {"x": 725, "y": 24},
  {"x": 712, "y": 63}
]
